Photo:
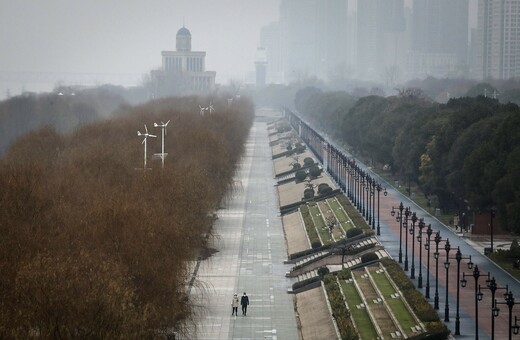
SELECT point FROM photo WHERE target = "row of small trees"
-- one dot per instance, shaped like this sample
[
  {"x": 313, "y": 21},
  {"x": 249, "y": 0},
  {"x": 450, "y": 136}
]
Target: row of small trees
[{"x": 92, "y": 247}]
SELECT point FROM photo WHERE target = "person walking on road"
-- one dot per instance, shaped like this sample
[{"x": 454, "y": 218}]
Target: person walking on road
[
  {"x": 244, "y": 301},
  {"x": 234, "y": 305}
]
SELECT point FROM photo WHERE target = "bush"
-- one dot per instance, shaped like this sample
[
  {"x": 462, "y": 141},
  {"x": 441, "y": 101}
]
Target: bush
[
  {"x": 354, "y": 232},
  {"x": 296, "y": 166},
  {"x": 368, "y": 257},
  {"x": 314, "y": 171},
  {"x": 322, "y": 186},
  {"x": 308, "y": 161},
  {"x": 315, "y": 245},
  {"x": 308, "y": 193},
  {"x": 300, "y": 175},
  {"x": 322, "y": 271}
]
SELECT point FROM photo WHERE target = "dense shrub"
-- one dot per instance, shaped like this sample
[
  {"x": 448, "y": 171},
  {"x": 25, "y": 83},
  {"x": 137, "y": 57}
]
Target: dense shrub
[
  {"x": 354, "y": 232},
  {"x": 322, "y": 271},
  {"x": 296, "y": 166},
  {"x": 367, "y": 257},
  {"x": 308, "y": 161},
  {"x": 308, "y": 193},
  {"x": 300, "y": 175},
  {"x": 314, "y": 171}
]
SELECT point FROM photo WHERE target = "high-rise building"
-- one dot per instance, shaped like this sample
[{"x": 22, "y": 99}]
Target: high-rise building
[
  {"x": 439, "y": 38},
  {"x": 313, "y": 38},
  {"x": 271, "y": 40},
  {"x": 498, "y": 39},
  {"x": 183, "y": 70},
  {"x": 380, "y": 37}
]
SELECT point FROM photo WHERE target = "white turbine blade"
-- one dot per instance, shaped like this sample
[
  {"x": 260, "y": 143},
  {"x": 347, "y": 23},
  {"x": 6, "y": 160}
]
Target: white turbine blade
[
  {"x": 139, "y": 133},
  {"x": 144, "y": 140},
  {"x": 146, "y": 128},
  {"x": 155, "y": 124},
  {"x": 152, "y": 136},
  {"x": 167, "y": 123}
]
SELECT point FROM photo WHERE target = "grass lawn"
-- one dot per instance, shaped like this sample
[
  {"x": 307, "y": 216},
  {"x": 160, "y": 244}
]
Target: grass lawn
[
  {"x": 342, "y": 217},
  {"x": 328, "y": 213},
  {"x": 360, "y": 316},
  {"x": 319, "y": 224}
]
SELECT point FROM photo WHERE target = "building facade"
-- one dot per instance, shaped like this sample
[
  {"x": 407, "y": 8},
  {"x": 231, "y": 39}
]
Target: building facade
[
  {"x": 498, "y": 39},
  {"x": 183, "y": 71}
]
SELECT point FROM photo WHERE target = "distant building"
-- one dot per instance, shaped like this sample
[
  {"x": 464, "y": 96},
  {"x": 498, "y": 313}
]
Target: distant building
[
  {"x": 380, "y": 38},
  {"x": 498, "y": 39},
  {"x": 271, "y": 40},
  {"x": 439, "y": 38},
  {"x": 260, "y": 66},
  {"x": 183, "y": 70}
]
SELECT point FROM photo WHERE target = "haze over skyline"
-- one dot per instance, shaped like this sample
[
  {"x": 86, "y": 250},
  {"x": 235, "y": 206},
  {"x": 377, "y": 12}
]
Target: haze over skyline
[
  {"x": 124, "y": 38},
  {"x": 45, "y": 42}
]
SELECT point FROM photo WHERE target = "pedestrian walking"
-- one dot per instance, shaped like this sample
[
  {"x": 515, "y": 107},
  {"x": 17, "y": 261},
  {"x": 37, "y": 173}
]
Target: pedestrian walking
[
  {"x": 244, "y": 301},
  {"x": 234, "y": 305}
]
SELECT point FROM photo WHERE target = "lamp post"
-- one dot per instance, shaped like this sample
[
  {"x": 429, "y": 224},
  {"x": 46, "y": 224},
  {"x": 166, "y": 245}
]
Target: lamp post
[
  {"x": 491, "y": 284},
  {"x": 368, "y": 204},
  {"x": 419, "y": 240},
  {"x": 492, "y": 214},
  {"x": 399, "y": 219},
  {"x": 412, "y": 232},
  {"x": 478, "y": 295},
  {"x": 437, "y": 240},
  {"x": 459, "y": 257},
  {"x": 429, "y": 233},
  {"x": 362, "y": 193},
  {"x": 447, "y": 247},
  {"x": 407, "y": 213},
  {"x": 379, "y": 188},
  {"x": 510, "y": 302}
]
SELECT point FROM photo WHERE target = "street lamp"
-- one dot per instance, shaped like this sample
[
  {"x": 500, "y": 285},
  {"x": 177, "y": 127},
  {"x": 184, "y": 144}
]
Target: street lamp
[
  {"x": 447, "y": 247},
  {"x": 493, "y": 214},
  {"x": 510, "y": 302},
  {"x": 478, "y": 295},
  {"x": 437, "y": 240},
  {"x": 399, "y": 219},
  {"x": 379, "y": 188},
  {"x": 412, "y": 232},
  {"x": 459, "y": 257},
  {"x": 419, "y": 239},
  {"x": 407, "y": 212},
  {"x": 429, "y": 233},
  {"x": 491, "y": 284}
]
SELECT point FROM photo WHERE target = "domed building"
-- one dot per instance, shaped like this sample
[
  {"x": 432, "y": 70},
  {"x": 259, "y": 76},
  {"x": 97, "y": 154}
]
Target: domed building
[{"x": 183, "y": 70}]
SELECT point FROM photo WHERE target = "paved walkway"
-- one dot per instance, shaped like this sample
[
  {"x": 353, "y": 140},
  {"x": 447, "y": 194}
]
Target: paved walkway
[{"x": 251, "y": 251}]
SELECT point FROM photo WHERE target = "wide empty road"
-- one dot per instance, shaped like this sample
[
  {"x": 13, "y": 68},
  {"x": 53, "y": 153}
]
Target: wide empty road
[{"x": 251, "y": 251}]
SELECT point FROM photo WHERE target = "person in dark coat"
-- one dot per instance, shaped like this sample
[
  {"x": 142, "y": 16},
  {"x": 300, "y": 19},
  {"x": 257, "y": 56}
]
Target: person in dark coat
[{"x": 244, "y": 301}]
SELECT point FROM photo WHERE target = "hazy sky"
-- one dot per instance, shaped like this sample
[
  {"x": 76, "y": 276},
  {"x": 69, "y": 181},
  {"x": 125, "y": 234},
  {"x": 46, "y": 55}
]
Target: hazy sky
[
  {"x": 127, "y": 36},
  {"x": 124, "y": 37}
]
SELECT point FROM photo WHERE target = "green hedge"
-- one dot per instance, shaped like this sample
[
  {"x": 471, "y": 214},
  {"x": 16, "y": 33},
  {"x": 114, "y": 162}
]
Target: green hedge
[{"x": 309, "y": 225}]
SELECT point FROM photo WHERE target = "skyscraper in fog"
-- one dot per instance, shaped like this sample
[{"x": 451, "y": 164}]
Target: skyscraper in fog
[
  {"x": 313, "y": 35},
  {"x": 498, "y": 39},
  {"x": 271, "y": 40},
  {"x": 380, "y": 37},
  {"x": 439, "y": 38}
]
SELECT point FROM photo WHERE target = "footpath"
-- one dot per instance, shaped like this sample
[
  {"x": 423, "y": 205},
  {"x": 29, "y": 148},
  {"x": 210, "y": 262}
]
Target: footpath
[{"x": 250, "y": 255}]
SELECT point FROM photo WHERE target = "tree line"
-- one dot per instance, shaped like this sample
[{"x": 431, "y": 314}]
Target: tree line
[
  {"x": 92, "y": 246},
  {"x": 465, "y": 152}
]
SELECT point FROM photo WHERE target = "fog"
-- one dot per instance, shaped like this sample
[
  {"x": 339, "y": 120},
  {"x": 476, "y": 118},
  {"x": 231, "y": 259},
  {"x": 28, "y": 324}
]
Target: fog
[
  {"x": 45, "y": 43},
  {"x": 42, "y": 42}
]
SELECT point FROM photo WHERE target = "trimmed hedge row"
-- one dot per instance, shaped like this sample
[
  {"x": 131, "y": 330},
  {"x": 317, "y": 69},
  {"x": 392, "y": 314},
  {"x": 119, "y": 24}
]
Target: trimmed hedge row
[
  {"x": 339, "y": 310},
  {"x": 309, "y": 227}
]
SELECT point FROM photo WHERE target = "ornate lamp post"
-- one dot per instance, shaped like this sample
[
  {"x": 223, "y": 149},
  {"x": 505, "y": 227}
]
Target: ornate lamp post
[
  {"x": 478, "y": 295},
  {"x": 459, "y": 257},
  {"x": 510, "y": 302},
  {"x": 412, "y": 232},
  {"x": 437, "y": 240},
  {"x": 447, "y": 247},
  {"x": 491, "y": 284},
  {"x": 419, "y": 240},
  {"x": 379, "y": 188},
  {"x": 407, "y": 213},
  {"x": 429, "y": 233},
  {"x": 399, "y": 219},
  {"x": 493, "y": 214}
]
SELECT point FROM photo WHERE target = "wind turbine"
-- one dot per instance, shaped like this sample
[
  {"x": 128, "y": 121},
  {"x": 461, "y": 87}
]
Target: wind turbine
[
  {"x": 202, "y": 109},
  {"x": 211, "y": 109},
  {"x": 146, "y": 135},
  {"x": 164, "y": 133}
]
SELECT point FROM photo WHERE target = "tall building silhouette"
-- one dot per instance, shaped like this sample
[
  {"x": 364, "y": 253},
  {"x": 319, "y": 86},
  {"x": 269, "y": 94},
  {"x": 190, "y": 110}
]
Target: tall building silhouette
[
  {"x": 498, "y": 39},
  {"x": 439, "y": 38}
]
